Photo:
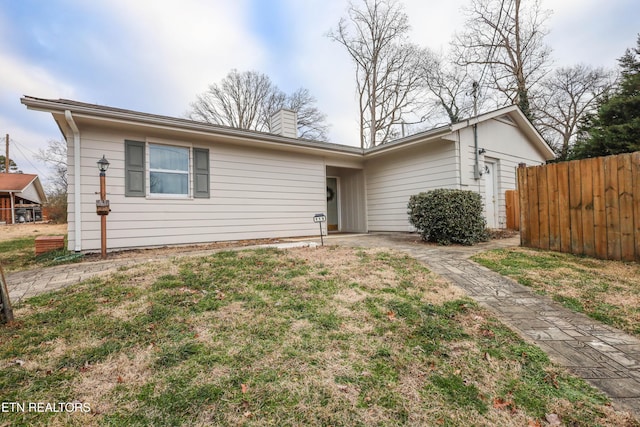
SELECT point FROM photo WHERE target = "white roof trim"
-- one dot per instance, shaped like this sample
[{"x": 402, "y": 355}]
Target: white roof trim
[{"x": 115, "y": 115}]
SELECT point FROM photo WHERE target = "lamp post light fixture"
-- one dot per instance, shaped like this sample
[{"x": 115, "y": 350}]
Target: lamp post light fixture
[
  {"x": 103, "y": 165},
  {"x": 102, "y": 205}
]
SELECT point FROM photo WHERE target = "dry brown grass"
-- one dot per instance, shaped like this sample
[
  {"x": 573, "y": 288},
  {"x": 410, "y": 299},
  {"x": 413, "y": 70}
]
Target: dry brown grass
[
  {"x": 326, "y": 336},
  {"x": 18, "y": 231},
  {"x": 98, "y": 380}
]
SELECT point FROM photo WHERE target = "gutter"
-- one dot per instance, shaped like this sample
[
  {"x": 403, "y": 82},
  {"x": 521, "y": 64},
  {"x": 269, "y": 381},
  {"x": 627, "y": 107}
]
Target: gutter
[
  {"x": 77, "y": 195},
  {"x": 408, "y": 141},
  {"x": 476, "y": 166},
  {"x": 164, "y": 122}
]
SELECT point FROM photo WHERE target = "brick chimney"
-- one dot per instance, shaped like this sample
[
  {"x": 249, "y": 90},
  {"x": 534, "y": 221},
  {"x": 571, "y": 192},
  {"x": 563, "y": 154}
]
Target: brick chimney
[{"x": 285, "y": 122}]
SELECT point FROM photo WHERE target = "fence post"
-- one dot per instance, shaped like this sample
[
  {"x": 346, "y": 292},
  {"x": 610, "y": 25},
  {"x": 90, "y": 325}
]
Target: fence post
[{"x": 524, "y": 205}]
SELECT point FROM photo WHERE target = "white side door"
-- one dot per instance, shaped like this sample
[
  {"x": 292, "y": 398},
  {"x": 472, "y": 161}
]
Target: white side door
[{"x": 490, "y": 192}]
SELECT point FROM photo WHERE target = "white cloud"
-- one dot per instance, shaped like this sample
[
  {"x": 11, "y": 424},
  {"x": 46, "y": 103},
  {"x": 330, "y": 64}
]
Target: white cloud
[
  {"x": 25, "y": 142},
  {"x": 178, "y": 48},
  {"x": 20, "y": 77},
  {"x": 28, "y": 131},
  {"x": 433, "y": 23},
  {"x": 591, "y": 31},
  {"x": 324, "y": 67}
]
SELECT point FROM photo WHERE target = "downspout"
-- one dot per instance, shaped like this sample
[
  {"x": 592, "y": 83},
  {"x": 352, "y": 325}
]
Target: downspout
[
  {"x": 77, "y": 194},
  {"x": 476, "y": 166}
]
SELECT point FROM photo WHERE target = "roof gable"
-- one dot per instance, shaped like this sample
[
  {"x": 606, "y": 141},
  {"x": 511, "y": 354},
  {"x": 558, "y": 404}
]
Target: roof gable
[
  {"x": 24, "y": 185},
  {"x": 15, "y": 182},
  {"x": 511, "y": 114}
]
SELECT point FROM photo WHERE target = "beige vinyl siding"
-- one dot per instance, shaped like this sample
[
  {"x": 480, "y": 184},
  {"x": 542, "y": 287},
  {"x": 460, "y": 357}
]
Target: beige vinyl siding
[
  {"x": 353, "y": 216},
  {"x": 255, "y": 193},
  {"x": 393, "y": 177},
  {"x": 506, "y": 146}
]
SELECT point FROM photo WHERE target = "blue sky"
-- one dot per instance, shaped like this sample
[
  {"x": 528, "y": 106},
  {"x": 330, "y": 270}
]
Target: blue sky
[{"x": 156, "y": 56}]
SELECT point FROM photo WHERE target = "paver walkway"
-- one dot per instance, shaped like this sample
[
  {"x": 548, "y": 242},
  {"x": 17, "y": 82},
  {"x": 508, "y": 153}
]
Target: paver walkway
[{"x": 604, "y": 356}]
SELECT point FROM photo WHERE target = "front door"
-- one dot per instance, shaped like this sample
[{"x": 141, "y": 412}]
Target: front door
[
  {"x": 332, "y": 204},
  {"x": 491, "y": 202}
]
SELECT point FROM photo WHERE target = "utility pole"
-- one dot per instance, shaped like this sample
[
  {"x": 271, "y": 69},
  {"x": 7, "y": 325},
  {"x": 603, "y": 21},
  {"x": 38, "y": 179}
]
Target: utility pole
[{"x": 6, "y": 159}]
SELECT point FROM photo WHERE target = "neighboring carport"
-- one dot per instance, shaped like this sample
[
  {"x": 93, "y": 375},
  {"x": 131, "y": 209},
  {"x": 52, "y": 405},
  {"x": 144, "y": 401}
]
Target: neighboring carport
[{"x": 21, "y": 198}]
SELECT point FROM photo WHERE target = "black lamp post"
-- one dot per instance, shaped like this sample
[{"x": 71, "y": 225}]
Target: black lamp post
[{"x": 103, "y": 205}]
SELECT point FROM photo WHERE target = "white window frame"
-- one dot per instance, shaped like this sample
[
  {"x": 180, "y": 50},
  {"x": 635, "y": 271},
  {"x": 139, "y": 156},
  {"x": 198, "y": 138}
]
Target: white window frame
[{"x": 189, "y": 171}]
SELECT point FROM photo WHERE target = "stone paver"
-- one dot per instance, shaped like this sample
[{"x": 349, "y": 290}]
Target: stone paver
[{"x": 607, "y": 358}]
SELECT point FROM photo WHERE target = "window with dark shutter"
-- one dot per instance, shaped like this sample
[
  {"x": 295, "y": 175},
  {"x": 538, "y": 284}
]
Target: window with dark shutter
[
  {"x": 201, "y": 173},
  {"x": 168, "y": 170},
  {"x": 134, "y": 172}
]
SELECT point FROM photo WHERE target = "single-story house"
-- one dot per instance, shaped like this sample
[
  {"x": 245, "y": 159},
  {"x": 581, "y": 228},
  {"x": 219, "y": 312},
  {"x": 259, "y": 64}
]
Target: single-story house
[
  {"x": 177, "y": 181},
  {"x": 21, "y": 197}
]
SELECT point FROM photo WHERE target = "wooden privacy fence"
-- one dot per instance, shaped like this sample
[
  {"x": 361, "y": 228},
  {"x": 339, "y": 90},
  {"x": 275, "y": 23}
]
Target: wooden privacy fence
[
  {"x": 586, "y": 207},
  {"x": 513, "y": 209}
]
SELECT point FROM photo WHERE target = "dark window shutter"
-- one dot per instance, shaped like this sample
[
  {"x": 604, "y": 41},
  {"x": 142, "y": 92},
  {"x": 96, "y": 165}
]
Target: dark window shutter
[
  {"x": 134, "y": 173},
  {"x": 201, "y": 173}
]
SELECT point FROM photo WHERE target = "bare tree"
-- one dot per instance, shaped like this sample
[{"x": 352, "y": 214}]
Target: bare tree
[
  {"x": 569, "y": 94},
  {"x": 311, "y": 121},
  {"x": 247, "y": 100},
  {"x": 238, "y": 101},
  {"x": 387, "y": 76},
  {"x": 449, "y": 86},
  {"x": 55, "y": 157},
  {"x": 506, "y": 38}
]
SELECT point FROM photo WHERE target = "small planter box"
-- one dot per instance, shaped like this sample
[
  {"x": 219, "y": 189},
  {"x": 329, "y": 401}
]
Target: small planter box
[{"x": 48, "y": 244}]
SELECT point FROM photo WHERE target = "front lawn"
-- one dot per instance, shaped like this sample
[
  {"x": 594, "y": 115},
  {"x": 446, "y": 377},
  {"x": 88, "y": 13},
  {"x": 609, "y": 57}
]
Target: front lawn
[
  {"x": 608, "y": 291},
  {"x": 327, "y": 336}
]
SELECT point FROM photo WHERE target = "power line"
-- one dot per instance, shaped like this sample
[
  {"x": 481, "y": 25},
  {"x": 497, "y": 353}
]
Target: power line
[
  {"x": 18, "y": 145},
  {"x": 492, "y": 46},
  {"x": 24, "y": 146}
]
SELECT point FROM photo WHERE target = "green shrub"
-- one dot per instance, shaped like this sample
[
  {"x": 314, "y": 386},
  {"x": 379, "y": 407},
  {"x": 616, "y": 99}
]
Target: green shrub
[{"x": 448, "y": 216}]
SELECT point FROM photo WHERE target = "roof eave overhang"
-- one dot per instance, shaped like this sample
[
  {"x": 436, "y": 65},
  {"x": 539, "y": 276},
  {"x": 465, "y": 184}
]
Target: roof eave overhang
[
  {"x": 444, "y": 133},
  {"x": 202, "y": 129}
]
